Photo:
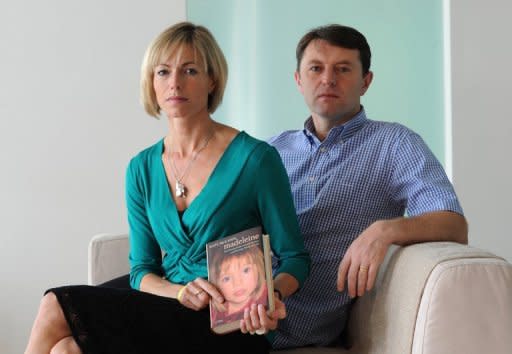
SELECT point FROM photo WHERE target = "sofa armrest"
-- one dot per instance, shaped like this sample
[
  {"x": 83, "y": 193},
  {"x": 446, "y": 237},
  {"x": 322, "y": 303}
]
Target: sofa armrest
[
  {"x": 391, "y": 317},
  {"x": 108, "y": 257}
]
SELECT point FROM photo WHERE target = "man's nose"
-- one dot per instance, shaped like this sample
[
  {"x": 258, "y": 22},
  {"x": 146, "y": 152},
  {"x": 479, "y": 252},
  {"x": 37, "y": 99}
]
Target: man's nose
[{"x": 329, "y": 77}]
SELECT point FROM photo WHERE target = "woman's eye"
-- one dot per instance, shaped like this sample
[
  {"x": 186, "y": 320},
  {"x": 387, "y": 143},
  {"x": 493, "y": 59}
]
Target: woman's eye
[
  {"x": 190, "y": 71},
  {"x": 225, "y": 279},
  {"x": 162, "y": 72}
]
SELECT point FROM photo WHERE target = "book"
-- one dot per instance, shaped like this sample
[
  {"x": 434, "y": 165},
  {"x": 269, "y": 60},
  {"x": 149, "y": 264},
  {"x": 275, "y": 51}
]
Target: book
[{"x": 239, "y": 266}]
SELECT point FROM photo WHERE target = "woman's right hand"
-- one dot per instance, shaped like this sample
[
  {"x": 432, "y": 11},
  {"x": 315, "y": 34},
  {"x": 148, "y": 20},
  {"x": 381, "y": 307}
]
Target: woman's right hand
[
  {"x": 196, "y": 295},
  {"x": 258, "y": 320}
]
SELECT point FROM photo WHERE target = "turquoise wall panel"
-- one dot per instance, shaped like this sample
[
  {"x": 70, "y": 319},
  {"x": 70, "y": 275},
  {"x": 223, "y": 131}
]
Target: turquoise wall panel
[{"x": 259, "y": 39}]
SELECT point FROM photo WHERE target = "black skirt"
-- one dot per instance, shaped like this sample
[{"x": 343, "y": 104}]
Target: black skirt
[{"x": 106, "y": 320}]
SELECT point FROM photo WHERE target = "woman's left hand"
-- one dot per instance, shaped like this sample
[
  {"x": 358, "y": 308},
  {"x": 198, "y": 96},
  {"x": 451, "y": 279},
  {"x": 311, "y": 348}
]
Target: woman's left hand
[
  {"x": 197, "y": 293},
  {"x": 257, "y": 320}
]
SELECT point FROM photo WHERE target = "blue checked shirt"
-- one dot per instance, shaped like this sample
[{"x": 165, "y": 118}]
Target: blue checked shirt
[{"x": 363, "y": 171}]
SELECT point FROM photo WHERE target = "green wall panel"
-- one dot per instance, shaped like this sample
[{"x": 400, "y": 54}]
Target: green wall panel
[{"x": 259, "y": 39}]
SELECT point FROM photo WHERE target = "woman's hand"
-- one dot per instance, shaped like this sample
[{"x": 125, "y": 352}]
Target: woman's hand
[
  {"x": 257, "y": 320},
  {"x": 196, "y": 295}
]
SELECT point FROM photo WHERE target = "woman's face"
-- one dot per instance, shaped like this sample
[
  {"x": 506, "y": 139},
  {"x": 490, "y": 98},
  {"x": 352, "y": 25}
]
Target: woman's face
[
  {"x": 238, "y": 280},
  {"x": 182, "y": 85}
]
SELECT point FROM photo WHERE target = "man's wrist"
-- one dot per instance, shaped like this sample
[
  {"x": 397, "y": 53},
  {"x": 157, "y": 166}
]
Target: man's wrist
[{"x": 279, "y": 294}]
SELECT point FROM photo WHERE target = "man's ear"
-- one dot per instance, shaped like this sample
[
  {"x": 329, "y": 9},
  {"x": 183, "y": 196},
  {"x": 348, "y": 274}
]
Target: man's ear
[
  {"x": 298, "y": 82},
  {"x": 367, "y": 80}
]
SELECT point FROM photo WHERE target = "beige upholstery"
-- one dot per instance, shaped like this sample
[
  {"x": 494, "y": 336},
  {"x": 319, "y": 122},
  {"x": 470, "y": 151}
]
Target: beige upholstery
[{"x": 430, "y": 298}]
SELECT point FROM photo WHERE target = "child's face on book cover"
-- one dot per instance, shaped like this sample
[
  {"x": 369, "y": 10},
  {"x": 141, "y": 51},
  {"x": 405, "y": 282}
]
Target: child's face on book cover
[{"x": 238, "y": 280}]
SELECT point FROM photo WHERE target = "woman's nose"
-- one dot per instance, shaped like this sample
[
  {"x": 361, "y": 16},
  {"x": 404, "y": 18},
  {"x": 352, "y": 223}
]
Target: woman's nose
[{"x": 174, "y": 80}]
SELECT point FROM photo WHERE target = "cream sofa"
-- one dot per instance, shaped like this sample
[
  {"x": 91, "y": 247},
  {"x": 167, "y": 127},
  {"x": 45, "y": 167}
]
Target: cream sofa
[{"x": 430, "y": 298}]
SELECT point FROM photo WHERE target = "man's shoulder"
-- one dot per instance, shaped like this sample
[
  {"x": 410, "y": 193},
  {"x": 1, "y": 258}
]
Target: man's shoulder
[
  {"x": 388, "y": 127},
  {"x": 285, "y": 139},
  {"x": 385, "y": 131}
]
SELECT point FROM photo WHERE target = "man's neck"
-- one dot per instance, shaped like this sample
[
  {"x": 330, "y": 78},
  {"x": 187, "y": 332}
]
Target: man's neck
[{"x": 324, "y": 125}]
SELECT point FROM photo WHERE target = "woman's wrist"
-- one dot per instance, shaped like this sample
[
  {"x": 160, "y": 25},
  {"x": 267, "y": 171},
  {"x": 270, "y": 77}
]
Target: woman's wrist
[
  {"x": 279, "y": 294},
  {"x": 179, "y": 296}
]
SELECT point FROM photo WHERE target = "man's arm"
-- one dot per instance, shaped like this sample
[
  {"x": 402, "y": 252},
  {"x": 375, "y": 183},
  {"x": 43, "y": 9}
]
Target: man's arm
[{"x": 360, "y": 265}]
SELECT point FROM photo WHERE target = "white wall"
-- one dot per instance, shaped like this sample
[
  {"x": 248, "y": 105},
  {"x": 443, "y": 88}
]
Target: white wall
[
  {"x": 482, "y": 119},
  {"x": 70, "y": 119}
]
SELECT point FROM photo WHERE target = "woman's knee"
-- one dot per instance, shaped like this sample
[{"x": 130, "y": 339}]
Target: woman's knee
[
  {"x": 50, "y": 310},
  {"x": 66, "y": 345}
]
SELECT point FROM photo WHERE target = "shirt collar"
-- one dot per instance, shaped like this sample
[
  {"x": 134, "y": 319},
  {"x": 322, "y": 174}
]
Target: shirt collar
[{"x": 339, "y": 133}]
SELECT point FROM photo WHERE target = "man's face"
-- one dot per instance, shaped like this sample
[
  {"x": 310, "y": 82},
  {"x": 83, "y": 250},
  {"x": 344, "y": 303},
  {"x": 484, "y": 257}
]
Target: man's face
[{"x": 331, "y": 80}]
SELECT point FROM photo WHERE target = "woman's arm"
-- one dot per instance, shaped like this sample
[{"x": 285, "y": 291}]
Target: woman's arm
[
  {"x": 145, "y": 253},
  {"x": 279, "y": 220}
]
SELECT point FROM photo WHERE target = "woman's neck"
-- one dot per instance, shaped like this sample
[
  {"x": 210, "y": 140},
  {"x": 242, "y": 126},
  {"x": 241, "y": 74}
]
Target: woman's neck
[{"x": 186, "y": 136}]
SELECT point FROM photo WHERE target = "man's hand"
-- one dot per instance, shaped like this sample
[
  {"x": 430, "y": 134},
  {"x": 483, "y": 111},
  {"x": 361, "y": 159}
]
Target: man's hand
[{"x": 360, "y": 265}]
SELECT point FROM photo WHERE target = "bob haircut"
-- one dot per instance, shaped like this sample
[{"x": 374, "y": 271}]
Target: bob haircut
[{"x": 169, "y": 43}]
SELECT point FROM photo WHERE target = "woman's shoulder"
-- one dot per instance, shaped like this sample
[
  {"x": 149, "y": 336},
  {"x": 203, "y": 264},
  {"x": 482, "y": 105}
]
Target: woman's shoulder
[
  {"x": 248, "y": 141},
  {"x": 146, "y": 157}
]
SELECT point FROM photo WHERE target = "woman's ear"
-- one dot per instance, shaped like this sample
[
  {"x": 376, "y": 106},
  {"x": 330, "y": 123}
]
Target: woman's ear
[{"x": 211, "y": 86}]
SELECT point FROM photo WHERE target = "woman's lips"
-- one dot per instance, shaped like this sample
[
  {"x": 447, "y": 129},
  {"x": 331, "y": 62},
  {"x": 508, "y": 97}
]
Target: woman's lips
[{"x": 177, "y": 99}]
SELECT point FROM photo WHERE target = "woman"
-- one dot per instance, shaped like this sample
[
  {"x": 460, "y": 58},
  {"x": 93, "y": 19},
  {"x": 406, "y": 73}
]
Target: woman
[{"x": 203, "y": 181}]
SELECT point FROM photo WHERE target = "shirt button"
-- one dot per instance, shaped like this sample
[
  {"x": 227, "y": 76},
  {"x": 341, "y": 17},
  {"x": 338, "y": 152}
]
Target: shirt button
[
  {"x": 312, "y": 179},
  {"x": 322, "y": 149}
]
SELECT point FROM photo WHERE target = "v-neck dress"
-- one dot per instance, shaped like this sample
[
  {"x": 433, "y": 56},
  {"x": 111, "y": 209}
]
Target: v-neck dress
[{"x": 248, "y": 187}]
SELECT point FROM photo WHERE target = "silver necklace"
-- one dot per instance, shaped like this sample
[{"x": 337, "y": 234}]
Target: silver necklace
[{"x": 180, "y": 188}]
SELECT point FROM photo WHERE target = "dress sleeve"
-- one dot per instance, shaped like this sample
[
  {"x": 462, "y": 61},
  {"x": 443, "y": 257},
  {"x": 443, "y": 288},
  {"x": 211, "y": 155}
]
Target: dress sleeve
[
  {"x": 419, "y": 181},
  {"x": 278, "y": 215},
  {"x": 145, "y": 254}
]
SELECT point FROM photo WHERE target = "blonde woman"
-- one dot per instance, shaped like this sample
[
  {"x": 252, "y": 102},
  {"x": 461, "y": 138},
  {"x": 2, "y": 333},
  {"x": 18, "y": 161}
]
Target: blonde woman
[{"x": 201, "y": 182}]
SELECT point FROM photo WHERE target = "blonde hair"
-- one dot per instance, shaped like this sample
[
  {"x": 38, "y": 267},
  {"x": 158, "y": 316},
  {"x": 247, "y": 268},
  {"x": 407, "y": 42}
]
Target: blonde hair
[
  {"x": 170, "y": 42},
  {"x": 253, "y": 254}
]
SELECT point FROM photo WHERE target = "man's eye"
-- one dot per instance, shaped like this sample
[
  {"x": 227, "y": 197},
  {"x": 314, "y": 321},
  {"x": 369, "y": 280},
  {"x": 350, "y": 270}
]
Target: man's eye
[
  {"x": 344, "y": 69},
  {"x": 314, "y": 68}
]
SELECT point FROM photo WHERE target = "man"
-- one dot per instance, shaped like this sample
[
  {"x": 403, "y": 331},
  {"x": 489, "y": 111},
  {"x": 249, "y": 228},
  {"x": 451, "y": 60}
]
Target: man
[{"x": 353, "y": 179}]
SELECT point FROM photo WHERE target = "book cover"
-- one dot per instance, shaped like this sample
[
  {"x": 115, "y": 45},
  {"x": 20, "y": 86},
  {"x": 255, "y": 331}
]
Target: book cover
[{"x": 240, "y": 267}]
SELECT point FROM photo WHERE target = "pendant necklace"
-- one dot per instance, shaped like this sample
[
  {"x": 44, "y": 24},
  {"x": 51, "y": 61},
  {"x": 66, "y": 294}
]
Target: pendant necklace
[{"x": 180, "y": 188}]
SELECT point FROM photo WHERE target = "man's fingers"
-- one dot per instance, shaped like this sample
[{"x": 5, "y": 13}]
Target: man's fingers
[
  {"x": 372, "y": 276},
  {"x": 342, "y": 273},
  {"x": 353, "y": 274},
  {"x": 362, "y": 279}
]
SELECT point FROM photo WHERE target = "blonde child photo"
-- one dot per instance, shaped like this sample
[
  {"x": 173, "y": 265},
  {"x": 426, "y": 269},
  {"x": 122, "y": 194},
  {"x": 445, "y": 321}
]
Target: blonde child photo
[{"x": 240, "y": 277}]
